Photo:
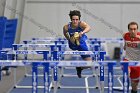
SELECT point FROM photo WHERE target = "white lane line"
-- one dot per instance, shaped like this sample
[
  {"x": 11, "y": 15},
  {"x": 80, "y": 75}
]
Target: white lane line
[
  {"x": 86, "y": 83},
  {"x": 120, "y": 81},
  {"x": 50, "y": 86}
]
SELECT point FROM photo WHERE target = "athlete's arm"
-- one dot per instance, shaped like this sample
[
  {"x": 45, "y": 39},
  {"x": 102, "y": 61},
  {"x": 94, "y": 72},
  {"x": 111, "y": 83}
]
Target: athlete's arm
[
  {"x": 138, "y": 36},
  {"x": 65, "y": 32},
  {"x": 86, "y": 28},
  {"x": 124, "y": 42},
  {"x": 124, "y": 46}
]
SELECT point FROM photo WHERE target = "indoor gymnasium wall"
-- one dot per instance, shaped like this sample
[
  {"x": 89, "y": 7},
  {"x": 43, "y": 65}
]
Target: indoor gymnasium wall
[
  {"x": 2, "y": 6},
  {"x": 107, "y": 19}
]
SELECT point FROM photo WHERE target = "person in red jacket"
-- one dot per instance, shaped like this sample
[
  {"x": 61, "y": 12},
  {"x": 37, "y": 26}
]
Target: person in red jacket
[{"x": 132, "y": 49}]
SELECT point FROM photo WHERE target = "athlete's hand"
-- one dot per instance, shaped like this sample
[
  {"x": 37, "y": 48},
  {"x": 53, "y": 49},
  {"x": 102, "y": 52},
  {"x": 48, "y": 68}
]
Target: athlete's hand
[
  {"x": 81, "y": 33},
  {"x": 72, "y": 39},
  {"x": 137, "y": 36},
  {"x": 77, "y": 37}
]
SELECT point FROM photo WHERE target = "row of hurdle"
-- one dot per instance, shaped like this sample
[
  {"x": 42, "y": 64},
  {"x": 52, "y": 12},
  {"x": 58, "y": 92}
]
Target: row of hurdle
[{"x": 55, "y": 61}]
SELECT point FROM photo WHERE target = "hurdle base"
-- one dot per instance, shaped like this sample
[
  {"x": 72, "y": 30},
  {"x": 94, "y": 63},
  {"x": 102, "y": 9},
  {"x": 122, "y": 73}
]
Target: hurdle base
[
  {"x": 77, "y": 87},
  {"x": 57, "y": 87},
  {"x": 96, "y": 87},
  {"x": 73, "y": 75},
  {"x": 18, "y": 86}
]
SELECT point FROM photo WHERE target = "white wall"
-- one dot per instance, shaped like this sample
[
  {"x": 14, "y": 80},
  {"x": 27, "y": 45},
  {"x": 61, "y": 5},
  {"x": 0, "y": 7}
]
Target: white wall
[
  {"x": 2, "y": 7},
  {"x": 45, "y": 18},
  {"x": 14, "y": 9},
  {"x": 107, "y": 18}
]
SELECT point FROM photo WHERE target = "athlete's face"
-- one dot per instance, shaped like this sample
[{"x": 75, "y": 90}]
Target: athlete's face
[
  {"x": 133, "y": 30},
  {"x": 75, "y": 20}
]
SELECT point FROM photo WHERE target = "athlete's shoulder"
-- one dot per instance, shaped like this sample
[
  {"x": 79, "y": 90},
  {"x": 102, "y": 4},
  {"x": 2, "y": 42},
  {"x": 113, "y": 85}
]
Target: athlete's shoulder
[
  {"x": 83, "y": 24},
  {"x": 126, "y": 35},
  {"x": 138, "y": 33},
  {"x": 65, "y": 27}
]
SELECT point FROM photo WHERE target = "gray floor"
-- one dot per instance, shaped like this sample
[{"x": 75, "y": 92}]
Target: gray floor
[{"x": 7, "y": 82}]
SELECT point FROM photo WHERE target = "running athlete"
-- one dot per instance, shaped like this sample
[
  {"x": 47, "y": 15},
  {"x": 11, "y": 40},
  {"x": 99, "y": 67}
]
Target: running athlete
[
  {"x": 132, "y": 48},
  {"x": 74, "y": 32}
]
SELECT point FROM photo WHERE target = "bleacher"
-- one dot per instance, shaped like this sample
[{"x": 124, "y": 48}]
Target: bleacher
[{"x": 7, "y": 36}]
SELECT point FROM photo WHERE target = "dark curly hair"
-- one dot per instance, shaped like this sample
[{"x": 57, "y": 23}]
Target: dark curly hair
[{"x": 74, "y": 13}]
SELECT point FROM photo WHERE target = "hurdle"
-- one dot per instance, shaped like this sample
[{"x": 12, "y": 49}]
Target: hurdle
[
  {"x": 44, "y": 41},
  {"x": 101, "y": 55},
  {"x": 16, "y": 52},
  {"x": 55, "y": 58},
  {"x": 34, "y": 46},
  {"x": 53, "y": 46},
  {"x": 34, "y": 64},
  {"x": 73, "y": 63},
  {"x": 77, "y": 52},
  {"x": 59, "y": 47},
  {"x": 102, "y": 72},
  {"x": 16, "y": 46},
  {"x": 99, "y": 41}
]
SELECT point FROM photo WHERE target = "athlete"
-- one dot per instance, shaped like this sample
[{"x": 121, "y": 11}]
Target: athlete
[
  {"x": 74, "y": 32},
  {"x": 132, "y": 48}
]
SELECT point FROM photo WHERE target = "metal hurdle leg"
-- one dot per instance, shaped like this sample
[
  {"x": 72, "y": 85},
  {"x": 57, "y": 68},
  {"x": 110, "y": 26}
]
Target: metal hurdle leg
[
  {"x": 52, "y": 79},
  {"x": 25, "y": 58},
  {"x": 125, "y": 78},
  {"x": 110, "y": 77},
  {"x": 102, "y": 72},
  {"x": 55, "y": 79},
  {"x": 46, "y": 77},
  {"x": 95, "y": 72},
  {"x": 101, "y": 79},
  {"x": 15, "y": 77},
  {"x": 34, "y": 78},
  {"x": 60, "y": 75}
]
